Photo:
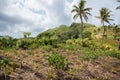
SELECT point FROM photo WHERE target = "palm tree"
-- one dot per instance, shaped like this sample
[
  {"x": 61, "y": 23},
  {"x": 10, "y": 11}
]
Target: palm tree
[
  {"x": 104, "y": 17},
  {"x": 81, "y": 12}
]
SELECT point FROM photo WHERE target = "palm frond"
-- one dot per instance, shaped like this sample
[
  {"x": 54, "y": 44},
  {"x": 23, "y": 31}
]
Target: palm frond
[
  {"x": 118, "y": 0},
  {"x": 82, "y": 4},
  {"x": 111, "y": 19},
  {"x": 81, "y": 10},
  {"x": 89, "y": 13},
  {"x": 74, "y": 10},
  {"x": 85, "y": 17},
  {"x": 87, "y": 9},
  {"x": 75, "y": 7},
  {"x": 118, "y": 7},
  {"x": 75, "y": 16},
  {"x": 105, "y": 15}
]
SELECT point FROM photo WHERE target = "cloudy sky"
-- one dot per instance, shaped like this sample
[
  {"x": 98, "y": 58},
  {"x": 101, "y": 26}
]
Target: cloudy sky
[{"x": 35, "y": 16}]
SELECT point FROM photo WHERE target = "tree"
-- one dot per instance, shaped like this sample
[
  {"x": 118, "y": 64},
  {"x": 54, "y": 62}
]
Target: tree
[
  {"x": 81, "y": 12},
  {"x": 104, "y": 17},
  {"x": 26, "y": 34}
]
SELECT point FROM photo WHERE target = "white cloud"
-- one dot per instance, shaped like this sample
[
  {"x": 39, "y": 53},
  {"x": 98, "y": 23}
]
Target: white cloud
[{"x": 39, "y": 15}]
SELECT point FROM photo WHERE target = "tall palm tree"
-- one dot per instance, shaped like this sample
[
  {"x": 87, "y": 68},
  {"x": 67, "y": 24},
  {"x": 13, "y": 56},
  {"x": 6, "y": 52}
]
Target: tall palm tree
[
  {"x": 119, "y": 38},
  {"x": 104, "y": 17},
  {"x": 81, "y": 12}
]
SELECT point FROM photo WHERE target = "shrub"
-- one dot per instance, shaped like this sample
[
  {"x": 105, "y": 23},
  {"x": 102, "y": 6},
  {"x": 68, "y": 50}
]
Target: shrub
[
  {"x": 47, "y": 48},
  {"x": 23, "y": 43},
  {"x": 113, "y": 54},
  {"x": 87, "y": 34},
  {"x": 87, "y": 42},
  {"x": 7, "y": 42},
  {"x": 4, "y": 64},
  {"x": 33, "y": 46},
  {"x": 58, "y": 61}
]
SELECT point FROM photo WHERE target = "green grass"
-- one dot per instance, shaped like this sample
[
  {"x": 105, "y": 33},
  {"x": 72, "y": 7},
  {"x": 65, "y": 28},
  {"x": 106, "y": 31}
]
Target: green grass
[{"x": 94, "y": 54}]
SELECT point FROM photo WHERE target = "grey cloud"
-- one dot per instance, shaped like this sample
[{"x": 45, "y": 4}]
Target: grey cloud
[
  {"x": 10, "y": 19},
  {"x": 42, "y": 12},
  {"x": 59, "y": 9},
  {"x": 2, "y": 4},
  {"x": 9, "y": 22},
  {"x": 3, "y": 26},
  {"x": 13, "y": 24}
]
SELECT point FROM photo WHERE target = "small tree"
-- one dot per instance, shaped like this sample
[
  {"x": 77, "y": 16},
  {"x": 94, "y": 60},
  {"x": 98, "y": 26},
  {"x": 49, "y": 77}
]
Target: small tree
[{"x": 26, "y": 34}]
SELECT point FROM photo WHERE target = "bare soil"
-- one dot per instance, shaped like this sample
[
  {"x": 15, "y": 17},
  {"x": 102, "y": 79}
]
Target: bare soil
[{"x": 34, "y": 66}]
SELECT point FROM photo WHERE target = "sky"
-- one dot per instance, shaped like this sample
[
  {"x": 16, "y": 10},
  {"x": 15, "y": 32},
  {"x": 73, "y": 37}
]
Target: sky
[{"x": 36, "y": 16}]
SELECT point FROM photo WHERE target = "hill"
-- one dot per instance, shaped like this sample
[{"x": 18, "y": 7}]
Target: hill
[{"x": 61, "y": 54}]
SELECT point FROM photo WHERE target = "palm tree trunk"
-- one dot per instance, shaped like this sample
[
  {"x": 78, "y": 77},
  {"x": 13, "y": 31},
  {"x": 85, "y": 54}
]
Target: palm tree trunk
[
  {"x": 118, "y": 44},
  {"x": 81, "y": 28},
  {"x": 103, "y": 32}
]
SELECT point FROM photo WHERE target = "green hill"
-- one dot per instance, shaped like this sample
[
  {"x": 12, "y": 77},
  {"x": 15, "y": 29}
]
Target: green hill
[{"x": 62, "y": 51}]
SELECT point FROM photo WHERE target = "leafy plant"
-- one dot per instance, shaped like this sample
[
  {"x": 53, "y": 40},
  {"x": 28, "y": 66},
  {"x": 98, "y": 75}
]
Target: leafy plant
[
  {"x": 58, "y": 61},
  {"x": 87, "y": 34},
  {"x": 3, "y": 64}
]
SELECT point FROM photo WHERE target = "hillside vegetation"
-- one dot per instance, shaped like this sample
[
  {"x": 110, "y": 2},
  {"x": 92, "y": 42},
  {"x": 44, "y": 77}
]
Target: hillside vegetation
[{"x": 58, "y": 54}]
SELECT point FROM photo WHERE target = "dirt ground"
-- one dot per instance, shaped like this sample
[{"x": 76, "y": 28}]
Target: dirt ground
[{"x": 35, "y": 66}]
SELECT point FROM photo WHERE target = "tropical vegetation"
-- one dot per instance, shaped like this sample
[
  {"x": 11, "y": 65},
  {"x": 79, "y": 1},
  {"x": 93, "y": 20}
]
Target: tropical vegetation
[{"x": 67, "y": 52}]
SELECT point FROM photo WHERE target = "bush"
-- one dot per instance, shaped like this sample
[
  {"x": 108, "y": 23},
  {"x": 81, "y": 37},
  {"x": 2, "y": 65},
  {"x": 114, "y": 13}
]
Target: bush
[
  {"x": 23, "y": 43},
  {"x": 87, "y": 42},
  {"x": 58, "y": 61},
  {"x": 7, "y": 42},
  {"x": 87, "y": 34},
  {"x": 91, "y": 54},
  {"x": 47, "y": 48},
  {"x": 113, "y": 54},
  {"x": 27, "y": 43}
]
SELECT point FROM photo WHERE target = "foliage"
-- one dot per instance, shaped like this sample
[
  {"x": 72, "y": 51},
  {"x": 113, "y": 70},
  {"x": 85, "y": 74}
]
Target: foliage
[
  {"x": 7, "y": 42},
  {"x": 23, "y": 43},
  {"x": 28, "y": 43},
  {"x": 87, "y": 34},
  {"x": 47, "y": 48},
  {"x": 26, "y": 34},
  {"x": 58, "y": 61},
  {"x": 94, "y": 54},
  {"x": 118, "y": 6},
  {"x": 81, "y": 12},
  {"x": 4, "y": 64},
  {"x": 105, "y": 15}
]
